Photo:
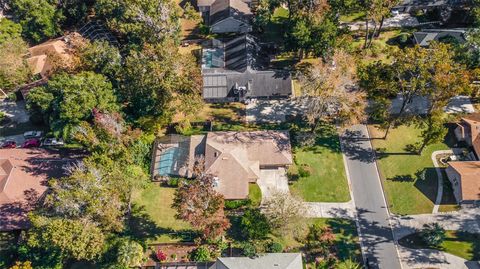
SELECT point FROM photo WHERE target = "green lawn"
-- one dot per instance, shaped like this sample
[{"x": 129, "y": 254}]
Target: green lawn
[
  {"x": 346, "y": 237},
  {"x": 353, "y": 17},
  {"x": 254, "y": 194},
  {"x": 274, "y": 31},
  {"x": 410, "y": 180},
  {"x": 462, "y": 244},
  {"x": 327, "y": 181},
  {"x": 154, "y": 219}
]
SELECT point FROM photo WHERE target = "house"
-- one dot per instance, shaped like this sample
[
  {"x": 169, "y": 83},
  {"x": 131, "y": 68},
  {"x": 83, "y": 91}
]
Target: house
[
  {"x": 424, "y": 37},
  {"x": 42, "y": 58},
  {"x": 414, "y": 5},
  {"x": 235, "y": 159},
  {"x": 468, "y": 130},
  {"x": 229, "y": 16},
  {"x": 263, "y": 261},
  {"x": 23, "y": 181},
  {"x": 237, "y": 69},
  {"x": 465, "y": 179}
]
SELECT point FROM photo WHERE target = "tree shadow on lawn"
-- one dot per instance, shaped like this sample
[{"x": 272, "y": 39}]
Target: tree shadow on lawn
[
  {"x": 425, "y": 181},
  {"x": 142, "y": 227}
]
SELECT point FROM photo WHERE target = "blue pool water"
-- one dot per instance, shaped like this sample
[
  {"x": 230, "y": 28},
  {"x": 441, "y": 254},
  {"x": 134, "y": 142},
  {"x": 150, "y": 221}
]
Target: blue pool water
[{"x": 166, "y": 162}]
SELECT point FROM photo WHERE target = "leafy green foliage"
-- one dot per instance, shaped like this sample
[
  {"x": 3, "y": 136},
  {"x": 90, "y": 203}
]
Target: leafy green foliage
[
  {"x": 9, "y": 30},
  {"x": 14, "y": 70},
  {"x": 40, "y": 19},
  {"x": 275, "y": 247},
  {"x": 69, "y": 99},
  {"x": 201, "y": 254},
  {"x": 141, "y": 21},
  {"x": 102, "y": 58},
  {"x": 254, "y": 225},
  {"x": 129, "y": 254},
  {"x": 249, "y": 249},
  {"x": 432, "y": 234},
  {"x": 81, "y": 240}
]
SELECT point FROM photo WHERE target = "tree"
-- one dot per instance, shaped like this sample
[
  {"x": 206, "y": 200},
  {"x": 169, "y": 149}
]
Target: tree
[
  {"x": 375, "y": 11},
  {"x": 100, "y": 57},
  {"x": 433, "y": 234},
  {"x": 69, "y": 99},
  {"x": 14, "y": 70},
  {"x": 75, "y": 11},
  {"x": 284, "y": 212},
  {"x": 160, "y": 82},
  {"x": 475, "y": 12},
  {"x": 254, "y": 225},
  {"x": 141, "y": 21},
  {"x": 40, "y": 19},
  {"x": 129, "y": 254},
  {"x": 434, "y": 130},
  {"x": 328, "y": 90},
  {"x": 75, "y": 239},
  {"x": 22, "y": 265},
  {"x": 319, "y": 239},
  {"x": 415, "y": 72},
  {"x": 9, "y": 30},
  {"x": 199, "y": 204}
]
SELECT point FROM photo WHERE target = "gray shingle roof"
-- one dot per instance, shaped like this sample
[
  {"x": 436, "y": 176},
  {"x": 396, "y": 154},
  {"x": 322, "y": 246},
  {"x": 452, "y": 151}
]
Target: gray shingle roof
[
  {"x": 265, "y": 261},
  {"x": 424, "y": 37},
  {"x": 222, "y": 9}
]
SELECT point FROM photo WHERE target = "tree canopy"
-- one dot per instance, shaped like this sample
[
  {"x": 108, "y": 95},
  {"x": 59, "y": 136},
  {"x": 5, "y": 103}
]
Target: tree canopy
[{"x": 14, "y": 70}]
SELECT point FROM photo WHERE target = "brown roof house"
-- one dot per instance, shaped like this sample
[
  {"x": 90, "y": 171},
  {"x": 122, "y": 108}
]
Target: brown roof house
[
  {"x": 23, "y": 176},
  {"x": 468, "y": 130},
  {"x": 465, "y": 179},
  {"x": 234, "y": 158}
]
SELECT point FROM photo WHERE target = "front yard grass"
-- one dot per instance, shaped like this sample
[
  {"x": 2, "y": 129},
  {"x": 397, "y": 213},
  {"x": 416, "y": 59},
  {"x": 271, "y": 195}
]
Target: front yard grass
[
  {"x": 254, "y": 194},
  {"x": 461, "y": 244},
  {"x": 154, "y": 218},
  {"x": 327, "y": 181},
  {"x": 409, "y": 180}
]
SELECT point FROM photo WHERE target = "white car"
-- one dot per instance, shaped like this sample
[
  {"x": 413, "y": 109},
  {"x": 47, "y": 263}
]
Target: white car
[
  {"x": 52, "y": 142},
  {"x": 32, "y": 134}
]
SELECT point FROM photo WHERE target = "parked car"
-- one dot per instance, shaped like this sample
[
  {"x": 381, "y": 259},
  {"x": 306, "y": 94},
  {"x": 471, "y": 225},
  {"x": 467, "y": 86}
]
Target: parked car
[
  {"x": 8, "y": 144},
  {"x": 31, "y": 143},
  {"x": 52, "y": 141},
  {"x": 32, "y": 134}
]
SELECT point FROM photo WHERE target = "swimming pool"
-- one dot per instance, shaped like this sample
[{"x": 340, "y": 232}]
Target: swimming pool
[{"x": 167, "y": 161}]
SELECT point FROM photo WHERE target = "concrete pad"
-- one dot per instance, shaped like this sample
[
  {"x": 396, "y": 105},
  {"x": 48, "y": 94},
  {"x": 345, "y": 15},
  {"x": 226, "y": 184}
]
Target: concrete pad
[
  {"x": 15, "y": 110},
  {"x": 460, "y": 104}
]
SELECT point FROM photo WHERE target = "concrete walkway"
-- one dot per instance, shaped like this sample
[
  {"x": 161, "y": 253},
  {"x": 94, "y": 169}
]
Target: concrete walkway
[
  {"x": 438, "y": 169},
  {"x": 429, "y": 258},
  {"x": 275, "y": 180}
]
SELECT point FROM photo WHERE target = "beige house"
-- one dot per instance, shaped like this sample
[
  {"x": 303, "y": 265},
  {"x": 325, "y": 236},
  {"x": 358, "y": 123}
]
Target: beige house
[
  {"x": 263, "y": 261},
  {"x": 465, "y": 179},
  {"x": 235, "y": 159},
  {"x": 468, "y": 130}
]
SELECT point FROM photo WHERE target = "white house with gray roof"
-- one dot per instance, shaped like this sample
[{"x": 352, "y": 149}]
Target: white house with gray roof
[
  {"x": 263, "y": 261},
  {"x": 425, "y": 36}
]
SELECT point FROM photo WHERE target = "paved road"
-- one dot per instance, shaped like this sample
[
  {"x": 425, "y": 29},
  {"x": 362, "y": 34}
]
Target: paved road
[{"x": 375, "y": 230}]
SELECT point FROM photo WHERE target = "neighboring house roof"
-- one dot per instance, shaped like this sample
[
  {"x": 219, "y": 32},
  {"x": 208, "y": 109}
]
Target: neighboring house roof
[
  {"x": 234, "y": 158},
  {"x": 432, "y": 3},
  {"x": 472, "y": 124},
  {"x": 470, "y": 179},
  {"x": 264, "y": 261},
  {"x": 222, "y": 9},
  {"x": 23, "y": 176},
  {"x": 424, "y": 37},
  {"x": 204, "y": 3},
  {"x": 43, "y": 56},
  {"x": 241, "y": 64}
]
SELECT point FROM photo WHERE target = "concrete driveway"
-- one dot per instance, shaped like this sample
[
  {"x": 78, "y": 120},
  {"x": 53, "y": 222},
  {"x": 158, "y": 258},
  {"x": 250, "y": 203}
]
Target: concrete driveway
[
  {"x": 273, "y": 111},
  {"x": 272, "y": 181},
  {"x": 419, "y": 105},
  {"x": 15, "y": 110}
]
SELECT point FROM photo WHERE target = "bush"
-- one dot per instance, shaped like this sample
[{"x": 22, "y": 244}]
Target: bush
[
  {"x": 201, "y": 254},
  {"x": 173, "y": 182},
  {"x": 254, "y": 225},
  {"x": 274, "y": 247},
  {"x": 249, "y": 249},
  {"x": 236, "y": 204},
  {"x": 12, "y": 96},
  {"x": 432, "y": 234},
  {"x": 292, "y": 173},
  {"x": 184, "y": 127},
  {"x": 304, "y": 170}
]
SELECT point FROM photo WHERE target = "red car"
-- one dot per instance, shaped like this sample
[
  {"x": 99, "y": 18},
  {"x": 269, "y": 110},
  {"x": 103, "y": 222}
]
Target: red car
[
  {"x": 31, "y": 143},
  {"x": 8, "y": 145}
]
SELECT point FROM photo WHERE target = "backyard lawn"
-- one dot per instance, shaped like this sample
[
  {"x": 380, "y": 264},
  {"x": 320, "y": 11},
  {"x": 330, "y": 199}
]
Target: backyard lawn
[
  {"x": 462, "y": 244},
  {"x": 327, "y": 181},
  {"x": 154, "y": 219},
  {"x": 409, "y": 180}
]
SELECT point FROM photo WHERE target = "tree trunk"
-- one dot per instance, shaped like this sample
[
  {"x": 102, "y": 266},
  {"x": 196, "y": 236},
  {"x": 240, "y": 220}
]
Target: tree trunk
[
  {"x": 380, "y": 27},
  {"x": 422, "y": 147},
  {"x": 366, "y": 32},
  {"x": 373, "y": 34},
  {"x": 387, "y": 130}
]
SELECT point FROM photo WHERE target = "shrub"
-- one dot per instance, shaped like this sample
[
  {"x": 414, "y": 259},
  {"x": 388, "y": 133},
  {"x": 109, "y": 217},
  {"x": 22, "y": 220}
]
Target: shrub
[
  {"x": 235, "y": 204},
  {"x": 432, "y": 234},
  {"x": 201, "y": 254},
  {"x": 304, "y": 170},
  {"x": 249, "y": 249},
  {"x": 274, "y": 247},
  {"x": 161, "y": 256},
  {"x": 184, "y": 127},
  {"x": 292, "y": 173},
  {"x": 173, "y": 182},
  {"x": 254, "y": 225},
  {"x": 12, "y": 96}
]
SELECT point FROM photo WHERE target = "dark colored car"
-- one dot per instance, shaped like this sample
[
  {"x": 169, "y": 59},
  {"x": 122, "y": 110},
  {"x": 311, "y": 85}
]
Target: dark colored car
[
  {"x": 8, "y": 145},
  {"x": 31, "y": 143}
]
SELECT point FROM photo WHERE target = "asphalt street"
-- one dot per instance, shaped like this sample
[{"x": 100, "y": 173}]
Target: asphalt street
[{"x": 375, "y": 230}]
